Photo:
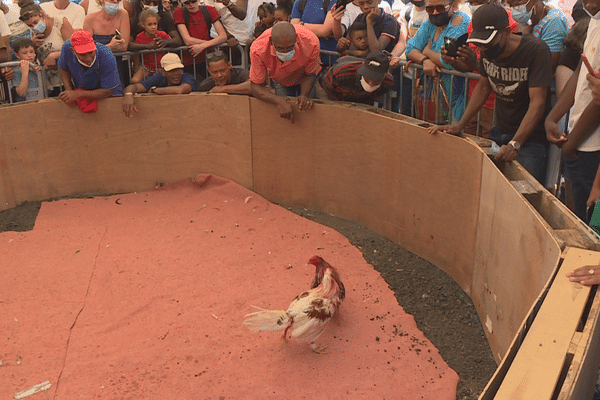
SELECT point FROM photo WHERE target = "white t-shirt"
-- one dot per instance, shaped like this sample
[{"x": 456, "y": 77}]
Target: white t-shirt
[
  {"x": 417, "y": 18},
  {"x": 353, "y": 11},
  {"x": 233, "y": 25},
  {"x": 4, "y": 29},
  {"x": 74, "y": 13},
  {"x": 583, "y": 93},
  {"x": 18, "y": 28}
]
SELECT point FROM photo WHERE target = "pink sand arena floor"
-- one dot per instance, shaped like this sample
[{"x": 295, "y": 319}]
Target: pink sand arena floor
[{"x": 142, "y": 296}]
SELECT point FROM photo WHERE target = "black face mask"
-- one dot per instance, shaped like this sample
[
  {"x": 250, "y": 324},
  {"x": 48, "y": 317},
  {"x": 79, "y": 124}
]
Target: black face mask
[
  {"x": 419, "y": 3},
  {"x": 494, "y": 52},
  {"x": 440, "y": 19}
]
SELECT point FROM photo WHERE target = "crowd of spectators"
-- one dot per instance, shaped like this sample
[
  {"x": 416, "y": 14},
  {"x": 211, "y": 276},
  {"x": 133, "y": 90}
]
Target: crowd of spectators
[{"x": 524, "y": 50}]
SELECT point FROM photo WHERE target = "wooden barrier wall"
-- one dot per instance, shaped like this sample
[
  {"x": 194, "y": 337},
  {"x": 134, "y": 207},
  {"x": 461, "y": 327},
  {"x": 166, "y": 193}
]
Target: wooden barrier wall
[{"x": 438, "y": 196}]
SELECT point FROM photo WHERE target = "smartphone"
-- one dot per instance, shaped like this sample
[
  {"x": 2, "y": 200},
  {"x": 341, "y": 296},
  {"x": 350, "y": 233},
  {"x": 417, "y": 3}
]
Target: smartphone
[
  {"x": 341, "y": 4},
  {"x": 451, "y": 45},
  {"x": 588, "y": 66},
  {"x": 118, "y": 35}
]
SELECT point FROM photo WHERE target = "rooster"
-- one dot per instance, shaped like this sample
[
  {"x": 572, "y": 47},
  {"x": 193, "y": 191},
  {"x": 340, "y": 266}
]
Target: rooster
[{"x": 309, "y": 312}]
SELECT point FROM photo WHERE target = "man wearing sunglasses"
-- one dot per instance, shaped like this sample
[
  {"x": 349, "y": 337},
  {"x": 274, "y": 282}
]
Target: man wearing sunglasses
[
  {"x": 519, "y": 70},
  {"x": 289, "y": 55}
]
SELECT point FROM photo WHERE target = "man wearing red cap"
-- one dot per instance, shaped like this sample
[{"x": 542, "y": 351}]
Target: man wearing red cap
[{"x": 88, "y": 70}]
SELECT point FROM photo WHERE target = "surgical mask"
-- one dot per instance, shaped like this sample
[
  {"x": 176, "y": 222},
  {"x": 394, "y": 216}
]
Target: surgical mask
[
  {"x": 368, "y": 88},
  {"x": 39, "y": 28},
  {"x": 474, "y": 8},
  {"x": 595, "y": 16},
  {"x": 494, "y": 52},
  {"x": 285, "y": 57},
  {"x": 440, "y": 19},
  {"x": 86, "y": 65},
  {"x": 520, "y": 14},
  {"x": 111, "y": 8},
  {"x": 153, "y": 8}
]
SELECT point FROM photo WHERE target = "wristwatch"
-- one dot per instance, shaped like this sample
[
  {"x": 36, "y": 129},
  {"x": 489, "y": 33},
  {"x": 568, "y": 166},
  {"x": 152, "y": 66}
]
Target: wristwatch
[
  {"x": 516, "y": 145},
  {"x": 424, "y": 59}
]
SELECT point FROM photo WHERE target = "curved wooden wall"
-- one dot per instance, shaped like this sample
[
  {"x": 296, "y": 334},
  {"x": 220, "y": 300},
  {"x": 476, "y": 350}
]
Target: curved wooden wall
[{"x": 438, "y": 196}]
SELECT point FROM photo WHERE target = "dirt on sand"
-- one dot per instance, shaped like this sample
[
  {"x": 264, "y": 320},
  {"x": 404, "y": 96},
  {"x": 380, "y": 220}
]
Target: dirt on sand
[{"x": 443, "y": 312}]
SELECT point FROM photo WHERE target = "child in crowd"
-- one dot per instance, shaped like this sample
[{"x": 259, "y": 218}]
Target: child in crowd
[
  {"x": 266, "y": 16},
  {"x": 149, "y": 22},
  {"x": 356, "y": 44},
  {"x": 282, "y": 13},
  {"x": 26, "y": 84}
]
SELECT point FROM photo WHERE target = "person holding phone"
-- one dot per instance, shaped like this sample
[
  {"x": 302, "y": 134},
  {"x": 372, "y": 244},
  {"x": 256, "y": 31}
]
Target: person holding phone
[
  {"x": 581, "y": 149},
  {"x": 425, "y": 48},
  {"x": 518, "y": 69}
]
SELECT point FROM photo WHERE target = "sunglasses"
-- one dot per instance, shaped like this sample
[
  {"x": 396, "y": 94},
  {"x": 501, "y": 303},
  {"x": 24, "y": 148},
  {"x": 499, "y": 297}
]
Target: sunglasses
[
  {"x": 439, "y": 8},
  {"x": 187, "y": 3},
  {"x": 216, "y": 53}
]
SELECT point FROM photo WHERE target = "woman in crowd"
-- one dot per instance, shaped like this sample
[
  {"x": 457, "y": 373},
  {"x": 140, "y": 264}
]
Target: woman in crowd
[
  {"x": 424, "y": 48},
  {"x": 49, "y": 34}
]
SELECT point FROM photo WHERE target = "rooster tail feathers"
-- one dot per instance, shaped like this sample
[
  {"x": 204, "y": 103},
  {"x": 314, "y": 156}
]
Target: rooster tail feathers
[{"x": 267, "y": 320}]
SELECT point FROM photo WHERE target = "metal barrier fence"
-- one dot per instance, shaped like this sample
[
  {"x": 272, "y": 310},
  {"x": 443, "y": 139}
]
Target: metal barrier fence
[
  {"x": 35, "y": 93},
  {"x": 396, "y": 100}
]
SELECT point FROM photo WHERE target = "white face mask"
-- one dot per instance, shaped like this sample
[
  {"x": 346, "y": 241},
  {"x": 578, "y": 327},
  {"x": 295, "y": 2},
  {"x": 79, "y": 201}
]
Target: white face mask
[
  {"x": 285, "y": 57},
  {"x": 86, "y": 65},
  {"x": 153, "y": 8},
  {"x": 474, "y": 8},
  {"x": 368, "y": 88},
  {"x": 595, "y": 16}
]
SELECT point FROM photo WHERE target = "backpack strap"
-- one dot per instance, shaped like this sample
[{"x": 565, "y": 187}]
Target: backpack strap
[
  {"x": 207, "y": 20},
  {"x": 206, "y": 17}
]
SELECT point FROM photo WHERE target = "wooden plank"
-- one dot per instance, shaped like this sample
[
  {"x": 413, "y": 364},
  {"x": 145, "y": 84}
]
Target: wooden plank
[
  {"x": 63, "y": 152},
  {"x": 389, "y": 175},
  {"x": 537, "y": 366},
  {"x": 585, "y": 347},
  {"x": 515, "y": 255}
]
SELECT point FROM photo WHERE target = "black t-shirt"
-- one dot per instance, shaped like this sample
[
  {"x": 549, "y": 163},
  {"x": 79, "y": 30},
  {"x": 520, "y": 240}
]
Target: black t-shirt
[
  {"x": 511, "y": 77},
  {"x": 238, "y": 75},
  {"x": 570, "y": 57}
]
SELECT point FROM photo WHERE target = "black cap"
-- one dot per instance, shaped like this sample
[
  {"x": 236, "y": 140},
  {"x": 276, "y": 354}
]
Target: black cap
[
  {"x": 488, "y": 21},
  {"x": 375, "y": 67}
]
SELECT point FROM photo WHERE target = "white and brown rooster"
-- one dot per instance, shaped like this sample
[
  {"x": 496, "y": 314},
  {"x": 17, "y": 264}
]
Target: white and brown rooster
[{"x": 308, "y": 314}]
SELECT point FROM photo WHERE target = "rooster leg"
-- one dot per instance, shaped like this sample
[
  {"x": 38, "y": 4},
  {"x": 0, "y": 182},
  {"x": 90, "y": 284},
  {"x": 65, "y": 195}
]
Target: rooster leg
[
  {"x": 285, "y": 333},
  {"x": 318, "y": 350}
]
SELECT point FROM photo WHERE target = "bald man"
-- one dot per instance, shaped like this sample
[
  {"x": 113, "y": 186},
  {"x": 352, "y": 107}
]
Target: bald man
[{"x": 289, "y": 55}]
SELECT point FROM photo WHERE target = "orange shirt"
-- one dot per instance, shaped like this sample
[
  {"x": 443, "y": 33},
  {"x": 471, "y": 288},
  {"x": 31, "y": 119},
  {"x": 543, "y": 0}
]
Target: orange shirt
[{"x": 306, "y": 60}]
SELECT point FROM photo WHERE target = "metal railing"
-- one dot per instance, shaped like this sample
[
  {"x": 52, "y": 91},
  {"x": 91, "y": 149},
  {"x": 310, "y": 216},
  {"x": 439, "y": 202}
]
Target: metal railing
[
  {"x": 41, "y": 78},
  {"x": 393, "y": 101}
]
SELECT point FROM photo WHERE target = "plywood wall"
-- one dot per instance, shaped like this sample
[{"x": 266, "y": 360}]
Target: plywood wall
[{"x": 438, "y": 196}]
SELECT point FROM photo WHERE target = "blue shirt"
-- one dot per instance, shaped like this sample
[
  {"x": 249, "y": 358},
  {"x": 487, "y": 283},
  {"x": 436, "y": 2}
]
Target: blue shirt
[
  {"x": 34, "y": 90},
  {"x": 102, "y": 75},
  {"x": 314, "y": 13},
  {"x": 420, "y": 40},
  {"x": 159, "y": 80},
  {"x": 552, "y": 29}
]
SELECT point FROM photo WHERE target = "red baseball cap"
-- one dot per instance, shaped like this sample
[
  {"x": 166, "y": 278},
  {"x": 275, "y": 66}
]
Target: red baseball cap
[{"x": 83, "y": 42}]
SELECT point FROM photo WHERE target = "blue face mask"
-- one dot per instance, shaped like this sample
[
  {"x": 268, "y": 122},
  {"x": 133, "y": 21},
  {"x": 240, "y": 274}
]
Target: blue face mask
[
  {"x": 520, "y": 14},
  {"x": 111, "y": 8},
  {"x": 39, "y": 28},
  {"x": 285, "y": 57}
]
